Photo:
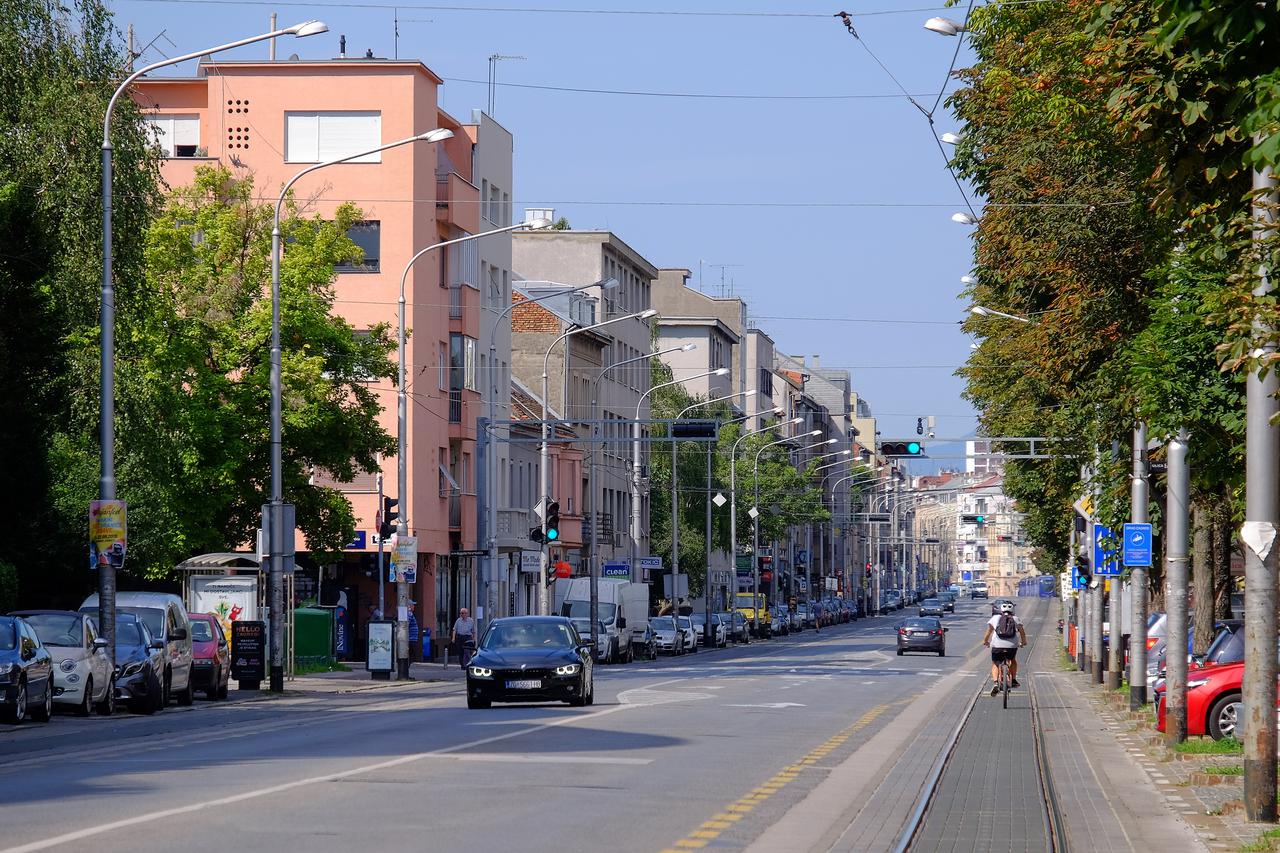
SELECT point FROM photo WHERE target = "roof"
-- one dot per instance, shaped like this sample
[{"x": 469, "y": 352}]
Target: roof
[
  {"x": 527, "y": 406},
  {"x": 993, "y": 481},
  {"x": 714, "y": 322},
  {"x": 346, "y": 62},
  {"x": 604, "y": 237}
]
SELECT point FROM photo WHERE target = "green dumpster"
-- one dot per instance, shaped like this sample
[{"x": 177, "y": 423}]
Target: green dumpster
[{"x": 313, "y": 636}]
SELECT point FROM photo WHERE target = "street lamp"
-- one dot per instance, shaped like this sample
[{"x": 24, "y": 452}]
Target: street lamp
[
  {"x": 402, "y": 421},
  {"x": 964, "y": 218},
  {"x": 274, "y": 519},
  {"x": 968, "y": 280},
  {"x": 991, "y": 312},
  {"x": 544, "y": 454},
  {"x": 675, "y": 513},
  {"x": 635, "y": 460},
  {"x": 951, "y": 138},
  {"x": 945, "y": 26},
  {"x": 107, "y": 380},
  {"x": 593, "y": 569}
]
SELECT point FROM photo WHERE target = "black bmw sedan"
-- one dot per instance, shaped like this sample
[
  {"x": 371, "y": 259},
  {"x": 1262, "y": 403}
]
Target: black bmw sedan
[{"x": 530, "y": 659}]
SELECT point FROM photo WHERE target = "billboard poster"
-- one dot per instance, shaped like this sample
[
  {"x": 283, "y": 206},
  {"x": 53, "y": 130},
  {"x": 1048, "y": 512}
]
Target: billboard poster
[
  {"x": 108, "y": 533},
  {"x": 228, "y": 598},
  {"x": 249, "y": 653},
  {"x": 404, "y": 559},
  {"x": 379, "y": 658}
]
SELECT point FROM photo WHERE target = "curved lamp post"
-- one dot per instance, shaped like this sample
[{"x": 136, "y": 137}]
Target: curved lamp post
[{"x": 107, "y": 379}]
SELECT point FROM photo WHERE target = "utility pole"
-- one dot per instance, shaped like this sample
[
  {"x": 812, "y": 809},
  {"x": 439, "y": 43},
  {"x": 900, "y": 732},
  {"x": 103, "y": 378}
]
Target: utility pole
[
  {"x": 1175, "y": 726},
  {"x": 1138, "y": 577},
  {"x": 1262, "y": 455}
]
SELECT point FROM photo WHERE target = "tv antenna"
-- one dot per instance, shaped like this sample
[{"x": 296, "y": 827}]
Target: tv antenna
[
  {"x": 494, "y": 59},
  {"x": 396, "y": 21}
]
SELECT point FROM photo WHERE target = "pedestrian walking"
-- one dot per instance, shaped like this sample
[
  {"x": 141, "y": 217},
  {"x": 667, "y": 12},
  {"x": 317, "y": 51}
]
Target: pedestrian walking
[{"x": 463, "y": 636}]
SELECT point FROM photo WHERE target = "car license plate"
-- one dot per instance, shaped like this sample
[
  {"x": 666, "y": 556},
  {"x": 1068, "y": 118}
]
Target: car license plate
[
  {"x": 524, "y": 684},
  {"x": 919, "y": 633}
]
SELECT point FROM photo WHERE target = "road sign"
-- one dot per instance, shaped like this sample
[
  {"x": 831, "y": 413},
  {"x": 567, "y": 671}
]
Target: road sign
[
  {"x": 615, "y": 570},
  {"x": 1084, "y": 506},
  {"x": 1137, "y": 545},
  {"x": 1106, "y": 562}
]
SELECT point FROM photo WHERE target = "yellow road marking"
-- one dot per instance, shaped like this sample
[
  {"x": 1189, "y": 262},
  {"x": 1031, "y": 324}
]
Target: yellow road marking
[{"x": 712, "y": 828}]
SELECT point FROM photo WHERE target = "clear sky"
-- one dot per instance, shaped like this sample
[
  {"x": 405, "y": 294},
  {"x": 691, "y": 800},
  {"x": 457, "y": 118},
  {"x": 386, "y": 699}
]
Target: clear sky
[{"x": 832, "y": 211}]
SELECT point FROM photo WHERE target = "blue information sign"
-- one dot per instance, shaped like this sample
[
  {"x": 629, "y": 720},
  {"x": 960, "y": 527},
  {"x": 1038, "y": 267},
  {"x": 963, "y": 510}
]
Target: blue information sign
[
  {"x": 1077, "y": 582},
  {"x": 1106, "y": 562},
  {"x": 615, "y": 570},
  {"x": 1137, "y": 545}
]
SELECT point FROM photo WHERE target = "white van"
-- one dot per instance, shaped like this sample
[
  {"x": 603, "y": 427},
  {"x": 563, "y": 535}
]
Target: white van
[
  {"x": 166, "y": 618},
  {"x": 623, "y": 608}
]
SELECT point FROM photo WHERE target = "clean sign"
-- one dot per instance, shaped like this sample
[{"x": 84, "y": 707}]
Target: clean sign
[
  {"x": 615, "y": 570},
  {"x": 1106, "y": 562},
  {"x": 1137, "y": 545}
]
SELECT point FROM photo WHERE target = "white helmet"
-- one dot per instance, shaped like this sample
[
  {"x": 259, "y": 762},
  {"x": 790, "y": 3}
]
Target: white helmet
[{"x": 1006, "y": 607}]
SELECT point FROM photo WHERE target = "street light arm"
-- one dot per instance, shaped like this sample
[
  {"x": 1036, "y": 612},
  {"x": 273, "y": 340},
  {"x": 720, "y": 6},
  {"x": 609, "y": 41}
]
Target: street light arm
[{"x": 287, "y": 31}]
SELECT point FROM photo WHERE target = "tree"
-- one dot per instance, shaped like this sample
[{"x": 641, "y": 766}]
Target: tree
[
  {"x": 196, "y": 412},
  {"x": 58, "y": 67}
]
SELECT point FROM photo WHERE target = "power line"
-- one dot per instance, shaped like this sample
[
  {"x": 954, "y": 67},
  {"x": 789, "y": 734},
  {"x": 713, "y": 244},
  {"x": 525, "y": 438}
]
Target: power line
[
  {"x": 655, "y": 94},
  {"x": 507, "y": 10},
  {"x": 1066, "y": 205}
]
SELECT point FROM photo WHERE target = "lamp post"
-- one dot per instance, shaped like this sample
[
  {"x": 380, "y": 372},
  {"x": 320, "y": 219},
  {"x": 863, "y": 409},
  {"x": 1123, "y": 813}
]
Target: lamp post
[
  {"x": 991, "y": 312},
  {"x": 276, "y": 517},
  {"x": 675, "y": 515},
  {"x": 492, "y": 472},
  {"x": 635, "y": 463},
  {"x": 544, "y": 454},
  {"x": 593, "y": 567},
  {"x": 107, "y": 356},
  {"x": 755, "y": 518},
  {"x": 733, "y": 501},
  {"x": 402, "y": 430}
]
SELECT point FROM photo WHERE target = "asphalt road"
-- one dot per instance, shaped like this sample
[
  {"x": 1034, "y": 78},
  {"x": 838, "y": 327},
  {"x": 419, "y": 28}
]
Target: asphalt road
[{"x": 716, "y": 747}]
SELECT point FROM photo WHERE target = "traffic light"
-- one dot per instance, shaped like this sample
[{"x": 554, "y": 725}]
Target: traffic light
[
  {"x": 868, "y": 571},
  {"x": 971, "y": 518},
  {"x": 551, "y": 526},
  {"x": 901, "y": 448},
  {"x": 389, "y": 515},
  {"x": 536, "y": 534}
]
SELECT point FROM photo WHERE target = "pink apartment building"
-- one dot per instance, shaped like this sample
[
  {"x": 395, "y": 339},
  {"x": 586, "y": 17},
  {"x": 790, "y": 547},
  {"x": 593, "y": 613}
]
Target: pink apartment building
[{"x": 272, "y": 119}]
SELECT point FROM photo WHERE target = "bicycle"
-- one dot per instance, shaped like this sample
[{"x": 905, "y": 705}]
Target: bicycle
[{"x": 1005, "y": 683}]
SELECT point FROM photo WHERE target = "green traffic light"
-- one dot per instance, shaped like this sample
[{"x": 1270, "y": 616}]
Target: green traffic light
[{"x": 913, "y": 447}]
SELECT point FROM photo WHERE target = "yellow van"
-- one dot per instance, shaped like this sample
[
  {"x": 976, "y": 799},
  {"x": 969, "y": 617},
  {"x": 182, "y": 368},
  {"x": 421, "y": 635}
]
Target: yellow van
[{"x": 756, "y": 611}]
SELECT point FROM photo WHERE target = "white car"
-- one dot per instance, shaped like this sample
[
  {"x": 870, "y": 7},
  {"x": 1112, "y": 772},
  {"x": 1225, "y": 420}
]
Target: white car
[
  {"x": 691, "y": 633},
  {"x": 668, "y": 639},
  {"x": 82, "y": 675},
  {"x": 719, "y": 631}
]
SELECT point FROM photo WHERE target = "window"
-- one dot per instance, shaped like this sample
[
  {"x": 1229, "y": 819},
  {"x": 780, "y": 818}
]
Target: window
[
  {"x": 506, "y": 209},
  {"x": 368, "y": 236},
  {"x": 462, "y": 363},
  {"x": 442, "y": 364},
  {"x": 484, "y": 199},
  {"x": 178, "y": 136},
  {"x": 317, "y": 137},
  {"x": 464, "y": 264},
  {"x": 766, "y": 382}
]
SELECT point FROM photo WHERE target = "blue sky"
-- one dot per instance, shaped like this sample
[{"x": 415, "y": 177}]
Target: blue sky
[{"x": 737, "y": 177}]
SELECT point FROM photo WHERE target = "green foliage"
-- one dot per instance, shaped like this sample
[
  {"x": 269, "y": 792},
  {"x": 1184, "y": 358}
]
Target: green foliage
[
  {"x": 561, "y": 224},
  {"x": 9, "y": 588}
]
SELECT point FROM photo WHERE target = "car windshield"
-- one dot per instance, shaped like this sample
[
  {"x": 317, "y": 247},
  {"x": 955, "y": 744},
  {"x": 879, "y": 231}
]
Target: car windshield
[
  {"x": 8, "y": 634},
  {"x": 201, "y": 631},
  {"x": 128, "y": 633},
  {"x": 582, "y": 610},
  {"x": 931, "y": 602},
  {"x": 583, "y": 626},
  {"x": 1227, "y": 647},
  {"x": 661, "y": 623},
  {"x": 528, "y": 635},
  {"x": 154, "y": 618},
  {"x": 57, "y": 629}
]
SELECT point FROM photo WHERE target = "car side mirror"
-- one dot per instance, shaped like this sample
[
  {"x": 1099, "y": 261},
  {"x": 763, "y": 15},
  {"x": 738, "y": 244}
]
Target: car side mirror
[
  {"x": 100, "y": 643},
  {"x": 158, "y": 645},
  {"x": 945, "y": 630},
  {"x": 622, "y": 621},
  {"x": 178, "y": 634}
]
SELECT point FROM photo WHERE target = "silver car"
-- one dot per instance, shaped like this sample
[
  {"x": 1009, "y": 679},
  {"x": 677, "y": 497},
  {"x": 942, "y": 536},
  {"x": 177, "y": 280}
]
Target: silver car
[
  {"x": 82, "y": 676},
  {"x": 668, "y": 638}
]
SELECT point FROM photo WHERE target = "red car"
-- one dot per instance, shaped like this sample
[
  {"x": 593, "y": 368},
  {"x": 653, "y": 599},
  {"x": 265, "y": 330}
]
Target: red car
[
  {"x": 1213, "y": 701},
  {"x": 210, "y": 656}
]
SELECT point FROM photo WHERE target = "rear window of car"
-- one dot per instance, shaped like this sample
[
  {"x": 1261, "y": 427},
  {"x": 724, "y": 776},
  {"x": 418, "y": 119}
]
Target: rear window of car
[{"x": 921, "y": 624}]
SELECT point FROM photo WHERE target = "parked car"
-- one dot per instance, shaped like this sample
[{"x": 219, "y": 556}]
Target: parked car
[
  {"x": 739, "y": 627},
  {"x": 1226, "y": 647},
  {"x": 922, "y": 634},
  {"x": 756, "y": 611},
  {"x": 978, "y": 590},
  {"x": 720, "y": 634},
  {"x": 948, "y": 600},
  {"x": 166, "y": 618},
  {"x": 210, "y": 656},
  {"x": 779, "y": 621},
  {"x": 531, "y": 659},
  {"x": 644, "y": 643},
  {"x": 668, "y": 638},
  {"x": 26, "y": 673},
  {"x": 82, "y": 667},
  {"x": 599, "y": 639},
  {"x": 692, "y": 635},
  {"x": 139, "y": 666},
  {"x": 932, "y": 607}
]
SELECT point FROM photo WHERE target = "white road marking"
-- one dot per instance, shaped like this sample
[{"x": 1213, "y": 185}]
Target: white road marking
[
  {"x": 526, "y": 758},
  {"x": 770, "y": 705},
  {"x": 150, "y": 817}
]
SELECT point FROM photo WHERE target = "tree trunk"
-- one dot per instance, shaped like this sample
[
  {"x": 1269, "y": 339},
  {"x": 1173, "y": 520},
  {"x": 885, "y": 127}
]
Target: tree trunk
[
  {"x": 1202, "y": 576},
  {"x": 1223, "y": 543}
]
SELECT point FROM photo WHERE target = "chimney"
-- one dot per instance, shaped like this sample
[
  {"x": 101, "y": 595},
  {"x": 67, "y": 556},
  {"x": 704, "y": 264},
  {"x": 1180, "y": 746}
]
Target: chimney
[
  {"x": 342, "y": 47},
  {"x": 815, "y": 364}
]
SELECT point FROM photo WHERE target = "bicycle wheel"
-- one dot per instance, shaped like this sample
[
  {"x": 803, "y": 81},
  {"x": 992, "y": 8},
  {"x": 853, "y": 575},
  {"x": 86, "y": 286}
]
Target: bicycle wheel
[{"x": 1005, "y": 681}]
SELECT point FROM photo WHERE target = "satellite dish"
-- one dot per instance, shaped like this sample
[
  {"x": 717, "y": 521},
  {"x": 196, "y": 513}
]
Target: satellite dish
[{"x": 293, "y": 57}]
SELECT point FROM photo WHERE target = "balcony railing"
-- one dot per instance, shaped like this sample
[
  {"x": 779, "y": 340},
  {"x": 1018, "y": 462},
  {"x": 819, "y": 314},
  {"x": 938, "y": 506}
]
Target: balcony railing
[
  {"x": 455, "y": 302},
  {"x": 455, "y": 407},
  {"x": 458, "y": 202}
]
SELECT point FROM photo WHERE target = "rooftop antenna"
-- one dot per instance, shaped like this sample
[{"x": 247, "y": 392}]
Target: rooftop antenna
[
  {"x": 494, "y": 59},
  {"x": 722, "y": 267},
  {"x": 396, "y": 21}
]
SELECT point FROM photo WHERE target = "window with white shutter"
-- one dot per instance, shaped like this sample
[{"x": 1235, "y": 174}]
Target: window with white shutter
[
  {"x": 320, "y": 137},
  {"x": 177, "y": 135}
]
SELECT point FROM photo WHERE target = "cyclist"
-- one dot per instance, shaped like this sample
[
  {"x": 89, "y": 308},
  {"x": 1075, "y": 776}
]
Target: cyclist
[{"x": 1004, "y": 635}]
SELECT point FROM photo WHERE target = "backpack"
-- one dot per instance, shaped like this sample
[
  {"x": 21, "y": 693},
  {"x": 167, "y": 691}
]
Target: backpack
[{"x": 1006, "y": 628}]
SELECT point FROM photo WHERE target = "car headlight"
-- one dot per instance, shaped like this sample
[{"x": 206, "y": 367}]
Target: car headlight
[
  {"x": 568, "y": 669},
  {"x": 1199, "y": 682},
  {"x": 479, "y": 672},
  {"x": 133, "y": 668},
  {"x": 67, "y": 665},
  {"x": 8, "y": 674}
]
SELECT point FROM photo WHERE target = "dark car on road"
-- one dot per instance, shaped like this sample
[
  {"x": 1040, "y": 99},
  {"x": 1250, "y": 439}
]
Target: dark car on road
[
  {"x": 139, "y": 666},
  {"x": 948, "y": 600},
  {"x": 210, "y": 656},
  {"x": 530, "y": 659},
  {"x": 932, "y": 607},
  {"x": 922, "y": 634},
  {"x": 26, "y": 673}
]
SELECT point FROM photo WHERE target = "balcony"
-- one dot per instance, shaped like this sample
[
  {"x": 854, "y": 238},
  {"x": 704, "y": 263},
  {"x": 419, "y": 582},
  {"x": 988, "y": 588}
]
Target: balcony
[
  {"x": 458, "y": 202},
  {"x": 455, "y": 407},
  {"x": 512, "y": 532}
]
